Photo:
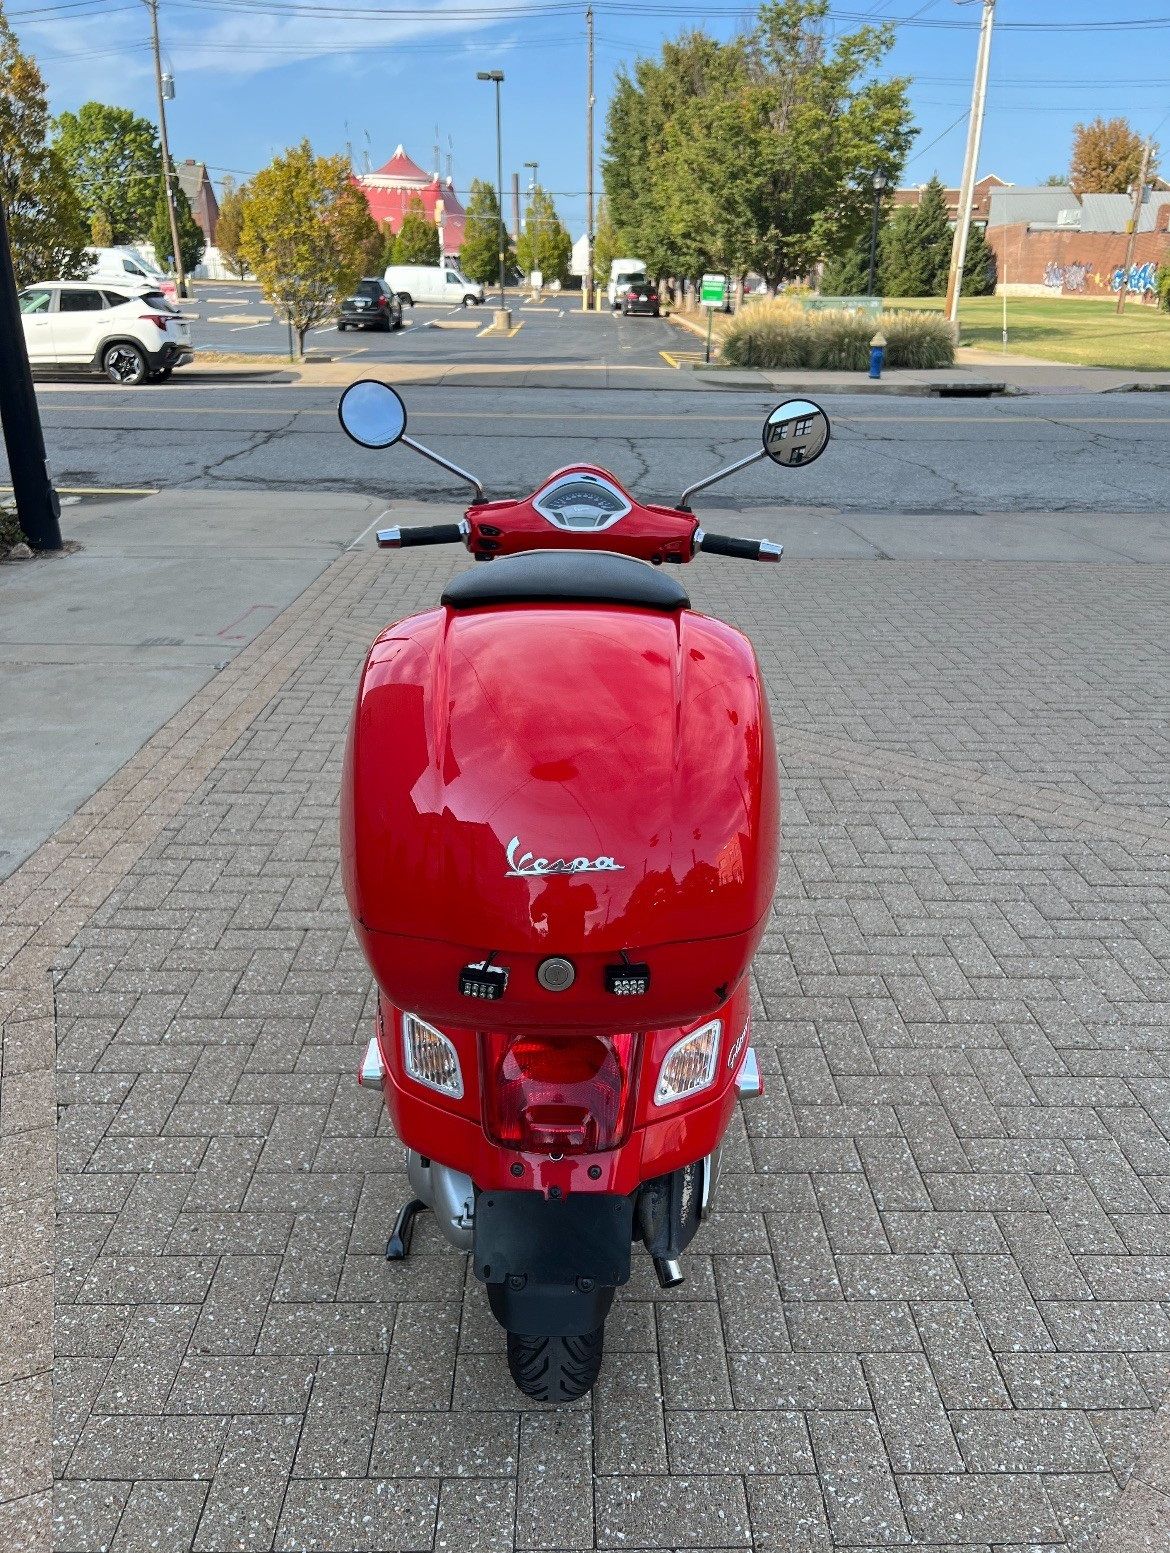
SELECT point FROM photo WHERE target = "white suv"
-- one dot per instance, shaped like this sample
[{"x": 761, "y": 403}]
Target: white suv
[{"x": 133, "y": 336}]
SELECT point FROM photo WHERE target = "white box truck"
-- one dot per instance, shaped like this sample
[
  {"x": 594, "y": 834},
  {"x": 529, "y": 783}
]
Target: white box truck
[
  {"x": 433, "y": 283},
  {"x": 622, "y": 273}
]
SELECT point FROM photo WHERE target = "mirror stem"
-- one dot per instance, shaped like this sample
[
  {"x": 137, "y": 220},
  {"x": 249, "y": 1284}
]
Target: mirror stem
[
  {"x": 445, "y": 463},
  {"x": 720, "y": 474}
]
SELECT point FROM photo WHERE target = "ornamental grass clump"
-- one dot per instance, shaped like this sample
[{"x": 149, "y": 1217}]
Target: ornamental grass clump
[{"x": 781, "y": 334}]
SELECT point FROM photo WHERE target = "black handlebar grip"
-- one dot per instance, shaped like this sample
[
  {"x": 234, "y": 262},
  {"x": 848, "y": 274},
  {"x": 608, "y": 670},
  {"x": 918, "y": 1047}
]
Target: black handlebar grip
[
  {"x": 740, "y": 549},
  {"x": 421, "y": 534}
]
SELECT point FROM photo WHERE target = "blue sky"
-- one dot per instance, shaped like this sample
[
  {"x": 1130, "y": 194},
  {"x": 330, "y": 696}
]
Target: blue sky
[{"x": 254, "y": 75}]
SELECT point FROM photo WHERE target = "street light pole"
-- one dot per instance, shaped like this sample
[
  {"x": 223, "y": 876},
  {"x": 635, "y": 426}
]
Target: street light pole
[
  {"x": 879, "y": 183},
  {"x": 497, "y": 76},
  {"x": 152, "y": 7}
]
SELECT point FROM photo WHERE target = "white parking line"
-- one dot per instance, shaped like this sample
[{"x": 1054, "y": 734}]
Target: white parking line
[{"x": 239, "y": 328}]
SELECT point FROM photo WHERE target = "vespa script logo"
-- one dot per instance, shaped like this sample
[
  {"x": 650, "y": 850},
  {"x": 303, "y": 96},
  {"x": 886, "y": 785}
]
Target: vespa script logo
[{"x": 523, "y": 865}]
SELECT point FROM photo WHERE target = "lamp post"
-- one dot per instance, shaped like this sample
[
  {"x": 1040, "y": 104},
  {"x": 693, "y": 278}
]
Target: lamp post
[
  {"x": 497, "y": 76},
  {"x": 878, "y": 182}
]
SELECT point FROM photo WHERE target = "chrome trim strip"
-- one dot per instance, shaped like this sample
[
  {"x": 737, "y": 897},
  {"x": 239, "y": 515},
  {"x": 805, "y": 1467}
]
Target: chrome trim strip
[
  {"x": 370, "y": 1070},
  {"x": 748, "y": 1080}
]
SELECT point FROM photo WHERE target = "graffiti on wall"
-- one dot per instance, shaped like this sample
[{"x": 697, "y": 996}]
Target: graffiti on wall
[
  {"x": 1142, "y": 277},
  {"x": 1066, "y": 277}
]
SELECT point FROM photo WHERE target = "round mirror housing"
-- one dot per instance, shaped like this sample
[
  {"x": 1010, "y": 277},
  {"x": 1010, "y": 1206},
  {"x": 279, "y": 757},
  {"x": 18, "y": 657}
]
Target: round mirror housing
[
  {"x": 372, "y": 413},
  {"x": 796, "y": 432}
]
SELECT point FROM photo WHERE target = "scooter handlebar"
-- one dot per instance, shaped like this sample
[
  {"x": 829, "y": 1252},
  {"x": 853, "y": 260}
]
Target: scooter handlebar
[
  {"x": 422, "y": 534},
  {"x": 737, "y": 549}
]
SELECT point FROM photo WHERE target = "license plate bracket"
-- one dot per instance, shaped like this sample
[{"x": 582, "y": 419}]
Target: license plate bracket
[{"x": 553, "y": 1240}]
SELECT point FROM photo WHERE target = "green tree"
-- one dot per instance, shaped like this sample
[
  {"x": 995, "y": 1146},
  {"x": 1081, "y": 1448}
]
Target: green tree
[
  {"x": 357, "y": 233},
  {"x": 46, "y": 226},
  {"x": 114, "y": 160},
  {"x": 606, "y": 244},
  {"x": 191, "y": 240},
  {"x": 544, "y": 244},
  {"x": 847, "y": 273},
  {"x": 1162, "y": 286},
  {"x": 479, "y": 258},
  {"x": 979, "y": 268},
  {"x": 825, "y": 114},
  {"x": 229, "y": 229},
  {"x": 418, "y": 239},
  {"x": 297, "y": 235},
  {"x": 757, "y": 153},
  {"x": 916, "y": 255}
]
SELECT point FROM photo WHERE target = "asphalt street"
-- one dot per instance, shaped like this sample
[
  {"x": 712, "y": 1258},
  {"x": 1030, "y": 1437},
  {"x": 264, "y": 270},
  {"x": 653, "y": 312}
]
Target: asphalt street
[{"x": 1097, "y": 453}]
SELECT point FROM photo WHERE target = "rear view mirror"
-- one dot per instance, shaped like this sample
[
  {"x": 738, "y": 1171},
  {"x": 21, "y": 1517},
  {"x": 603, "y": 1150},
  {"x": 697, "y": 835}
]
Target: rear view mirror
[
  {"x": 372, "y": 413},
  {"x": 796, "y": 432}
]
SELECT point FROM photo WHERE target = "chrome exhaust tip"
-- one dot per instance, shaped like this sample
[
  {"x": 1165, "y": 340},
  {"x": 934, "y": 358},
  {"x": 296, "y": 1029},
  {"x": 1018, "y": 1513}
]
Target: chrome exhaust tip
[{"x": 669, "y": 1271}]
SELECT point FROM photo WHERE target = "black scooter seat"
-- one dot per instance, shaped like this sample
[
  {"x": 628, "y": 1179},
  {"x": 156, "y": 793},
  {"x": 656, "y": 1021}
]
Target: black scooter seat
[{"x": 567, "y": 577}]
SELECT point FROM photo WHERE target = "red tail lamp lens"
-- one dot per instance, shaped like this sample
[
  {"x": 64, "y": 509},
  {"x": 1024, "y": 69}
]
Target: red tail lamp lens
[{"x": 558, "y": 1095}]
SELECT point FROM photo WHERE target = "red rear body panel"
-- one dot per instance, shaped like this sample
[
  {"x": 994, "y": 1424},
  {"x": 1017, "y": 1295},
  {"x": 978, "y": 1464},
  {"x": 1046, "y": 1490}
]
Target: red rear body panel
[{"x": 488, "y": 745}]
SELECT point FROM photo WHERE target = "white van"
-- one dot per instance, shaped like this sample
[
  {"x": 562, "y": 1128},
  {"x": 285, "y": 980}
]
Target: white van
[
  {"x": 622, "y": 274},
  {"x": 129, "y": 264},
  {"x": 432, "y": 283}
]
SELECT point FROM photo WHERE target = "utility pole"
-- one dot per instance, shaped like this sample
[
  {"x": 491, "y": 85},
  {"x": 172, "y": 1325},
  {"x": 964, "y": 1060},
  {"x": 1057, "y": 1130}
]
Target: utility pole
[
  {"x": 970, "y": 163},
  {"x": 37, "y": 507},
  {"x": 152, "y": 7},
  {"x": 587, "y": 289},
  {"x": 1138, "y": 196}
]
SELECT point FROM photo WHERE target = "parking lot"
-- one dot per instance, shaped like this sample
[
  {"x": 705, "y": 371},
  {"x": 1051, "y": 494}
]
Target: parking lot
[{"x": 237, "y": 320}]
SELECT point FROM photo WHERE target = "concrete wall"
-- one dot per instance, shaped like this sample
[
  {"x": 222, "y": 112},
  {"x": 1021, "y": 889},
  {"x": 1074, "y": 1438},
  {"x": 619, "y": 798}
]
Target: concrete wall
[{"x": 1066, "y": 262}]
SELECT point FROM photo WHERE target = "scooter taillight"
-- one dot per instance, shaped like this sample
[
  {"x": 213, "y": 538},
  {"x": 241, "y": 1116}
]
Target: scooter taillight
[{"x": 558, "y": 1094}]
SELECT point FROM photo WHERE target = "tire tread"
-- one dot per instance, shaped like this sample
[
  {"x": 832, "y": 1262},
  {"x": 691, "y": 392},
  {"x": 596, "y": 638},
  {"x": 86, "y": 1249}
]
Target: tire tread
[{"x": 555, "y": 1369}]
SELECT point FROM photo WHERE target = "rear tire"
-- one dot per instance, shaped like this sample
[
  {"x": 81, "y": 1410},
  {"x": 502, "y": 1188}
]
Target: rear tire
[
  {"x": 406, "y": 299},
  {"x": 555, "y": 1369}
]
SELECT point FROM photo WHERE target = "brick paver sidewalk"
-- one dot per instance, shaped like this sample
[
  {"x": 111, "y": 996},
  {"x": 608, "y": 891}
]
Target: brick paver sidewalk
[{"x": 933, "y": 1309}]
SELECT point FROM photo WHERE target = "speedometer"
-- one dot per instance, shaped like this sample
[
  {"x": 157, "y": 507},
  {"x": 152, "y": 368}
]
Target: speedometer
[{"x": 581, "y": 502}]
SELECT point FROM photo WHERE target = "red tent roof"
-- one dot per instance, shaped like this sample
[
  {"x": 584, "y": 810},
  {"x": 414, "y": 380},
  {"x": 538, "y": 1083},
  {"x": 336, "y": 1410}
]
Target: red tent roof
[
  {"x": 390, "y": 190},
  {"x": 401, "y": 169}
]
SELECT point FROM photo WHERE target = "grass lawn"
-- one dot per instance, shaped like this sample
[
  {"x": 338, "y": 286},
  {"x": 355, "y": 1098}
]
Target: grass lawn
[{"x": 1087, "y": 333}]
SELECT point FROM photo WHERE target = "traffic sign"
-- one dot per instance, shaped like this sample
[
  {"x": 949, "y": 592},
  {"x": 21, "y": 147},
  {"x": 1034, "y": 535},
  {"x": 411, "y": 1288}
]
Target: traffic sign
[{"x": 712, "y": 289}]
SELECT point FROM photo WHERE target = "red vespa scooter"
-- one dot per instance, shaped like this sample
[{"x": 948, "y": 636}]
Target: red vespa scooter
[{"x": 560, "y": 836}]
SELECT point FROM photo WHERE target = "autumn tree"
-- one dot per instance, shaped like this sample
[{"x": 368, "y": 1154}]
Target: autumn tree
[
  {"x": 46, "y": 225},
  {"x": 114, "y": 160},
  {"x": 544, "y": 244},
  {"x": 418, "y": 239},
  {"x": 301, "y": 235},
  {"x": 192, "y": 243},
  {"x": 484, "y": 235},
  {"x": 1106, "y": 157},
  {"x": 229, "y": 229}
]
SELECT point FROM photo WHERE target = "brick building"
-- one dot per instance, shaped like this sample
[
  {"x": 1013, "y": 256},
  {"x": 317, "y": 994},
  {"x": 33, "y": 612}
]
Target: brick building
[
  {"x": 911, "y": 194},
  {"x": 197, "y": 186},
  {"x": 1047, "y": 242}
]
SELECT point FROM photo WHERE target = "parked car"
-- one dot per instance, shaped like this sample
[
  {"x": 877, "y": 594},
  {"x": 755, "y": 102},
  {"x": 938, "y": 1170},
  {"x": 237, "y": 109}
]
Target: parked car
[
  {"x": 371, "y": 306},
  {"x": 132, "y": 336},
  {"x": 641, "y": 297},
  {"x": 622, "y": 274},
  {"x": 126, "y": 266},
  {"x": 432, "y": 283}
]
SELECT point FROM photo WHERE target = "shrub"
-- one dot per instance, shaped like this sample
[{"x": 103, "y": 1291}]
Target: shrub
[
  {"x": 1162, "y": 286},
  {"x": 780, "y": 334}
]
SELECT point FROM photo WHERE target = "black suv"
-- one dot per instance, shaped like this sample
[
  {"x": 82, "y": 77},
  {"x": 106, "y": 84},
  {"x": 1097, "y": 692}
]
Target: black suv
[
  {"x": 640, "y": 296},
  {"x": 372, "y": 306}
]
